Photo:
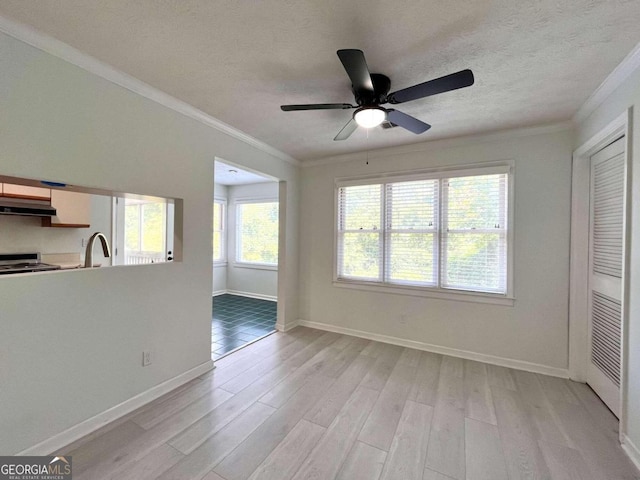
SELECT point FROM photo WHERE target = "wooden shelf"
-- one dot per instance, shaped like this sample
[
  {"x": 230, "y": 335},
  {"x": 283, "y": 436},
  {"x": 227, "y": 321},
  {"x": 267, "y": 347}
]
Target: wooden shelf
[
  {"x": 46, "y": 222},
  {"x": 25, "y": 197}
]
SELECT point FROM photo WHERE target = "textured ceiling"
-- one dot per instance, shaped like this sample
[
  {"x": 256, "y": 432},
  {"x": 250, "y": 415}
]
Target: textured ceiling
[
  {"x": 238, "y": 60},
  {"x": 232, "y": 175}
]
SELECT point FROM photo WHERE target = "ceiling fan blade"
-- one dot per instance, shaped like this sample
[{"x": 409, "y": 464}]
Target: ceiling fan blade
[
  {"x": 461, "y": 79},
  {"x": 347, "y": 130},
  {"x": 316, "y": 106},
  {"x": 356, "y": 67},
  {"x": 407, "y": 121}
]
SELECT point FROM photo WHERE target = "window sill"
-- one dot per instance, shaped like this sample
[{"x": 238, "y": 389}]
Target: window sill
[
  {"x": 219, "y": 264},
  {"x": 460, "y": 296},
  {"x": 256, "y": 266}
]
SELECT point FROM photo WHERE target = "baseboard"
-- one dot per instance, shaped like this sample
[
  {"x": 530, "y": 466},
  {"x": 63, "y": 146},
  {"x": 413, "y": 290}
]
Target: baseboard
[
  {"x": 632, "y": 451},
  {"x": 90, "y": 425},
  {"x": 259, "y": 296},
  {"x": 219, "y": 292},
  {"x": 453, "y": 352},
  {"x": 285, "y": 328}
]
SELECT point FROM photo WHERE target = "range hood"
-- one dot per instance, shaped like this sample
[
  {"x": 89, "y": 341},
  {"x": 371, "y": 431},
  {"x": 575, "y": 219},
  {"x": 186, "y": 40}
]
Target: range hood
[{"x": 24, "y": 208}]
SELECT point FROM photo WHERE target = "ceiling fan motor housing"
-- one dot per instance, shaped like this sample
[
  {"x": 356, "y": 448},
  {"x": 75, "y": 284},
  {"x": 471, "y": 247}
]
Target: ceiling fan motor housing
[{"x": 381, "y": 87}]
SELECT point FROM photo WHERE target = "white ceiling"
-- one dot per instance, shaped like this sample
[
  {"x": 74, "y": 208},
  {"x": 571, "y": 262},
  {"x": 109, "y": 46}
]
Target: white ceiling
[
  {"x": 230, "y": 175},
  {"x": 239, "y": 60}
]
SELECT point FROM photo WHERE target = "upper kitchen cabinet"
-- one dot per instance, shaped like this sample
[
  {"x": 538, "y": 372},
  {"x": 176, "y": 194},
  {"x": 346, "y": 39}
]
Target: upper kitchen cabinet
[
  {"x": 24, "y": 192},
  {"x": 73, "y": 210}
]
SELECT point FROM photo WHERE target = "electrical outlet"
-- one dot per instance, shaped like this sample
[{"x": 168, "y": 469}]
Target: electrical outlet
[
  {"x": 403, "y": 319},
  {"x": 84, "y": 242},
  {"x": 146, "y": 359}
]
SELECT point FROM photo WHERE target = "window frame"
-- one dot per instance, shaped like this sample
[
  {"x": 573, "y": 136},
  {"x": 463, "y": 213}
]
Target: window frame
[
  {"x": 223, "y": 231},
  {"x": 237, "y": 262},
  {"x": 503, "y": 167}
]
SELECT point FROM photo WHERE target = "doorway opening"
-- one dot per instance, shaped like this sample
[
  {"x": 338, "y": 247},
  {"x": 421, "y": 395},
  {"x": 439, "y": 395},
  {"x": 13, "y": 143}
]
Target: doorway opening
[
  {"x": 246, "y": 226},
  {"x": 143, "y": 230}
]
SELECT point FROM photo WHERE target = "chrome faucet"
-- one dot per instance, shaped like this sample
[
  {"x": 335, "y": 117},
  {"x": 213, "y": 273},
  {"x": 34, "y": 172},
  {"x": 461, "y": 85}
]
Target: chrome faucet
[{"x": 88, "y": 256}]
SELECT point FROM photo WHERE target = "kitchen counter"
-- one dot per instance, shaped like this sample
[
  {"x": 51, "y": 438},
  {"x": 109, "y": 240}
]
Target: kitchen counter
[
  {"x": 68, "y": 266},
  {"x": 67, "y": 261}
]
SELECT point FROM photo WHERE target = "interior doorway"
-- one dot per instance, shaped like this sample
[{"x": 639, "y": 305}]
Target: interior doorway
[
  {"x": 143, "y": 230},
  {"x": 246, "y": 226}
]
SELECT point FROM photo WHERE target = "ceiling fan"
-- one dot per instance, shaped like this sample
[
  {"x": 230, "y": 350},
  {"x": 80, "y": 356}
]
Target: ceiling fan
[{"x": 372, "y": 90}]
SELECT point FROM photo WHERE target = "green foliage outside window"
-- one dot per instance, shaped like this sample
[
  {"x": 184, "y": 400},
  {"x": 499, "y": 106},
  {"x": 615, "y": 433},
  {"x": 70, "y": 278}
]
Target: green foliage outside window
[
  {"x": 145, "y": 227},
  {"x": 411, "y": 257},
  {"x": 258, "y": 233},
  {"x": 468, "y": 244},
  {"x": 217, "y": 230},
  {"x": 153, "y": 221},
  {"x": 361, "y": 252},
  {"x": 132, "y": 227},
  {"x": 474, "y": 258}
]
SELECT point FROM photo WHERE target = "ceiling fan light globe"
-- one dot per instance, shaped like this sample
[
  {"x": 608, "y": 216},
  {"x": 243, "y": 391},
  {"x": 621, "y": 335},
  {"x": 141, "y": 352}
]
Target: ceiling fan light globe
[{"x": 370, "y": 117}]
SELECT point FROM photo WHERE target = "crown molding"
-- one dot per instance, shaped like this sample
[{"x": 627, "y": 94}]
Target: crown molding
[
  {"x": 443, "y": 143},
  {"x": 628, "y": 65},
  {"x": 69, "y": 54}
]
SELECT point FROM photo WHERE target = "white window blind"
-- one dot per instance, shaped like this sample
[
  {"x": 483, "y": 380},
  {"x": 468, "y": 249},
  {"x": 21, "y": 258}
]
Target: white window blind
[
  {"x": 474, "y": 233},
  {"x": 411, "y": 227},
  {"x": 448, "y": 232},
  {"x": 360, "y": 232}
]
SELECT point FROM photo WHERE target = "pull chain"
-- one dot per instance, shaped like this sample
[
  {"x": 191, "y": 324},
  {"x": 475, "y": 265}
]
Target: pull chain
[{"x": 367, "y": 146}]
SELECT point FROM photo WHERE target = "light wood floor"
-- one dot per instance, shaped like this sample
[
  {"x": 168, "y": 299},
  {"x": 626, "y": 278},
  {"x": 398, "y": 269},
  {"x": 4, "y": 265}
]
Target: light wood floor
[{"x": 312, "y": 404}]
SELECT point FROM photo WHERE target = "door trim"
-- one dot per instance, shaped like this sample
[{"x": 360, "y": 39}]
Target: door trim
[{"x": 579, "y": 266}]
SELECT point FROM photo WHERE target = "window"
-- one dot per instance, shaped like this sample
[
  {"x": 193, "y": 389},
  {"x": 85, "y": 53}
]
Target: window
[
  {"x": 219, "y": 226},
  {"x": 442, "y": 232},
  {"x": 145, "y": 231},
  {"x": 257, "y": 233}
]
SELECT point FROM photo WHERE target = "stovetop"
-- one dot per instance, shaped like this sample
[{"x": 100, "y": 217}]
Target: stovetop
[{"x": 23, "y": 263}]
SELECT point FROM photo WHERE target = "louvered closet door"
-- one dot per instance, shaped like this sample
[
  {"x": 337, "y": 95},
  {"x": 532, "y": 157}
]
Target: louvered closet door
[{"x": 605, "y": 266}]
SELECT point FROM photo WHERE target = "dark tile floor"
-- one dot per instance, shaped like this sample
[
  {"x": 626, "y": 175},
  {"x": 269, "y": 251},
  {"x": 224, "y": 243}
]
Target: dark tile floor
[{"x": 239, "y": 320}]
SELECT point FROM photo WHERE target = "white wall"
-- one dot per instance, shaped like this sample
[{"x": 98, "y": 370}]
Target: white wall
[
  {"x": 24, "y": 234},
  {"x": 626, "y": 96},
  {"x": 242, "y": 278},
  {"x": 534, "y": 330},
  {"x": 71, "y": 343},
  {"x": 220, "y": 269}
]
